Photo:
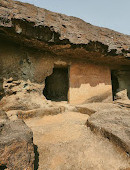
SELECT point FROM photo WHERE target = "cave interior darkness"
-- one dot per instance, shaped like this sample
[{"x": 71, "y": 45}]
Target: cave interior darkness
[
  {"x": 120, "y": 81},
  {"x": 57, "y": 85}
]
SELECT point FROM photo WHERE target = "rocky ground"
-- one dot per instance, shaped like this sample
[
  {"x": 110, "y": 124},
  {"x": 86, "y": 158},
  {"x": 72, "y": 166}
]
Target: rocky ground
[
  {"x": 92, "y": 136},
  {"x": 65, "y": 143}
]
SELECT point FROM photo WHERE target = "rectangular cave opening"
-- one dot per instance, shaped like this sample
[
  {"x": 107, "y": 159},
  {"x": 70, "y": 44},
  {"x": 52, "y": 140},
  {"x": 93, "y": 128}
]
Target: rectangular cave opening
[
  {"x": 57, "y": 85},
  {"x": 120, "y": 82}
]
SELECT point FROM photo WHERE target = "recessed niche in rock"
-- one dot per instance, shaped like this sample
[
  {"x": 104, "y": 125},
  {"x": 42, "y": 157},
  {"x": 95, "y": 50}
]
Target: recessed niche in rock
[
  {"x": 57, "y": 85},
  {"x": 120, "y": 82}
]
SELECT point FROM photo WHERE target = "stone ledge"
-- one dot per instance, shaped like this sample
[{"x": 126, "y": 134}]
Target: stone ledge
[{"x": 113, "y": 124}]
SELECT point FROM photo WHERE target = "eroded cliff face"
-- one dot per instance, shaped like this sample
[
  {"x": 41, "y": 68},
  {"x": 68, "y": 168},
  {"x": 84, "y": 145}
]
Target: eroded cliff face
[
  {"x": 24, "y": 72},
  {"x": 33, "y": 43},
  {"x": 61, "y": 35},
  {"x": 34, "y": 40},
  {"x": 22, "y": 68}
]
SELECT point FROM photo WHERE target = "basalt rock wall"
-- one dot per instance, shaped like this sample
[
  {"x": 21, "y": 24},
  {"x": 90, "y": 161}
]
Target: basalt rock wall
[
  {"x": 24, "y": 70},
  {"x": 62, "y": 35},
  {"x": 22, "y": 64},
  {"x": 34, "y": 40}
]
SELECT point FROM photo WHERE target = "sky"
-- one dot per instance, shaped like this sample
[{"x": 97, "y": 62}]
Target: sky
[{"x": 113, "y": 14}]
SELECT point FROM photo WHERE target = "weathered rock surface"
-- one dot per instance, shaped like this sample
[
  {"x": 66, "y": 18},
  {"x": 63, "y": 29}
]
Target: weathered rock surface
[
  {"x": 63, "y": 35},
  {"x": 97, "y": 106},
  {"x": 24, "y": 99},
  {"x": 84, "y": 110},
  {"x": 3, "y": 115},
  {"x": 22, "y": 95},
  {"x": 65, "y": 143},
  {"x": 122, "y": 95},
  {"x": 16, "y": 146},
  {"x": 124, "y": 103},
  {"x": 20, "y": 114},
  {"x": 113, "y": 124}
]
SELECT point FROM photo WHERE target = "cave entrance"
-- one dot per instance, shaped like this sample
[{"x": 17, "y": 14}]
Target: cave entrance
[
  {"x": 120, "y": 81},
  {"x": 115, "y": 84},
  {"x": 57, "y": 85}
]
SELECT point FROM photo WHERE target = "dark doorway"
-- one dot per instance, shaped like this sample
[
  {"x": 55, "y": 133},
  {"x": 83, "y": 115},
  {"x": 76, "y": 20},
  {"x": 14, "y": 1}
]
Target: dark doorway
[
  {"x": 57, "y": 85},
  {"x": 120, "y": 81},
  {"x": 115, "y": 84}
]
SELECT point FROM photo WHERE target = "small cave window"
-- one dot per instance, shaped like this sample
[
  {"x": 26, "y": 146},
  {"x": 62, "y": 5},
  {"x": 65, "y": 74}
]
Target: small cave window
[{"x": 57, "y": 85}]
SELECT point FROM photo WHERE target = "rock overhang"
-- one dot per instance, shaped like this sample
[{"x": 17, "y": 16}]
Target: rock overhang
[{"x": 61, "y": 35}]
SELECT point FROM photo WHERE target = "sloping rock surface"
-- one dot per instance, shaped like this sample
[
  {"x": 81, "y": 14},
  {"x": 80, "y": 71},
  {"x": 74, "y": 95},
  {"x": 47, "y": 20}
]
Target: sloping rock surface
[
  {"x": 65, "y": 143},
  {"x": 113, "y": 124},
  {"x": 16, "y": 145},
  {"x": 58, "y": 33}
]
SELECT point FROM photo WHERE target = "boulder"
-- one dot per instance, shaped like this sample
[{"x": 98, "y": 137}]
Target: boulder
[
  {"x": 122, "y": 95},
  {"x": 16, "y": 146},
  {"x": 113, "y": 124}
]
